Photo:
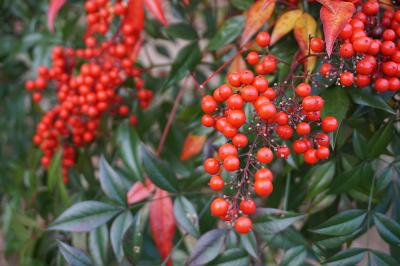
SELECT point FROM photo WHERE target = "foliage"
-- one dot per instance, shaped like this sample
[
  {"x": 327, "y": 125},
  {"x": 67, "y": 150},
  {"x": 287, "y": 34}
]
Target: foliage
[{"x": 138, "y": 195}]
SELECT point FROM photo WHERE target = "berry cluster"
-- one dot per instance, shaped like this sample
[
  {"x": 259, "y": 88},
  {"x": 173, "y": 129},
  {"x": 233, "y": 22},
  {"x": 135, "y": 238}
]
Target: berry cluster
[
  {"x": 368, "y": 49},
  {"x": 260, "y": 122},
  {"x": 88, "y": 84}
]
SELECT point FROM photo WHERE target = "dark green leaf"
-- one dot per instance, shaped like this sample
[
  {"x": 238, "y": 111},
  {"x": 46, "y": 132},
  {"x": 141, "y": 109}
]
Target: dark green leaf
[
  {"x": 242, "y": 4},
  {"x": 380, "y": 140},
  {"x": 342, "y": 224},
  {"x": 207, "y": 248},
  {"x": 118, "y": 229},
  {"x": 84, "y": 216},
  {"x": 98, "y": 244},
  {"x": 129, "y": 146},
  {"x": 73, "y": 256},
  {"x": 159, "y": 171},
  {"x": 182, "y": 31},
  {"x": 271, "y": 221},
  {"x": 186, "y": 60},
  {"x": 349, "y": 257},
  {"x": 366, "y": 98},
  {"x": 334, "y": 98},
  {"x": 320, "y": 178},
  {"x": 382, "y": 259},
  {"x": 54, "y": 171},
  {"x": 231, "y": 257},
  {"x": 294, "y": 256},
  {"x": 133, "y": 239},
  {"x": 388, "y": 229},
  {"x": 186, "y": 216},
  {"x": 352, "y": 178},
  {"x": 113, "y": 184},
  {"x": 249, "y": 242},
  {"x": 359, "y": 145},
  {"x": 227, "y": 33},
  {"x": 337, "y": 241}
]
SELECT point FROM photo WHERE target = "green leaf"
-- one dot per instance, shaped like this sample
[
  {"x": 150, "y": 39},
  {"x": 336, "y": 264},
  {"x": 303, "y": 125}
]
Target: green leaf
[
  {"x": 342, "y": 224},
  {"x": 294, "y": 256},
  {"x": 249, "y": 242},
  {"x": 129, "y": 146},
  {"x": 360, "y": 145},
  {"x": 98, "y": 244},
  {"x": 352, "y": 178},
  {"x": 388, "y": 229},
  {"x": 182, "y": 31},
  {"x": 113, "y": 184},
  {"x": 186, "y": 216},
  {"x": 334, "y": 242},
  {"x": 186, "y": 60},
  {"x": 229, "y": 31},
  {"x": 333, "y": 98},
  {"x": 272, "y": 221},
  {"x": 133, "y": 239},
  {"x": 366, "y": 98},
  {"x": 73, "y": 256},
  {"x": 349, "y": 257},
  {"x": 380, "y": 140},
  {"x": 54, "y": 171},
  {"x": 231, "y": 257},
  {"x": 382, "y": 259},
  {"x": 320, "y": 178},
  {"x": 118, "y": 229},
  {"x": 242, "y": 4},
  {"x": 159, "y": 171},
  {"x": 208, "y": 247},
  {"x": 84, "y": 216}
]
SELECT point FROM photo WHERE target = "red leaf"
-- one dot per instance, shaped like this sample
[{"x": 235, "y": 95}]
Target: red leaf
[
  {"x": 135, "y": 15},
  {"x": 136, "y": 49},
  {"x": 156, "y": 9},
  {"x": 139, "y": 191},
  {"x": 334, "y": 16},
  {"x": 162, "y": 223},
  {"x": 54, "y": 7},
  {"x": 257, "y": 15},
  {"x": 192, "y": 145}
]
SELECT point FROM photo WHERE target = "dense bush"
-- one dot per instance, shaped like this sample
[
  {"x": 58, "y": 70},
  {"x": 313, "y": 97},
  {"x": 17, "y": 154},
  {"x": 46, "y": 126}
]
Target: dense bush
[{"x": 123, "y": 121}]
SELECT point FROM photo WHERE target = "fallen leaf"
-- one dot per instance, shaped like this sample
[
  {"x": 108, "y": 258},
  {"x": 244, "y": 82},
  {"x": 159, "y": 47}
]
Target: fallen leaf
[
  {"x": 238, "y": 64},
  {"x": 192, "y": 145},
  {"x": 54, "y": 8},
  {"x": 139, "y": 191},
  {"x": 256, "y": 16},
  {"x": 285, "y": 24},
  {"x": 305, "y": 27},
  {"x": 334, "y": 16},
  {"x": 162, "y": 223},
  {"x": 156, "y": 9}
]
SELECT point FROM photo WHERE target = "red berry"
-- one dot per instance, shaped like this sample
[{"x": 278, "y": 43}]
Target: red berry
[
  {"x": 310, "y": 156},
  {"x": 219, "y": 207},
  {"x": 216, "y": 183},
  {"x": 231, "y": 163},
  {"x": 346, "y": 79},
  {"x": 303, "y": 89},
  {"x": 323, "y": 153},
  {"x": 208, "y": 104},
  {"x": 248, "y": 206},
  {"x": 303, "y": 128},
  {"x": 263, "y": 187},
  {"x": 240, "y": 140},
  {"x": 265, "y": 155},
  {"x": 263, "y": 39},
  {"x": 243, "y": 225},
  {"x": 263, "y": 174},
  {"x": 252, "y": 58},
  {"x": 329, "y": 124},
  {"x": 317, "y": 45},
  {"x": 211, "y": 165}
]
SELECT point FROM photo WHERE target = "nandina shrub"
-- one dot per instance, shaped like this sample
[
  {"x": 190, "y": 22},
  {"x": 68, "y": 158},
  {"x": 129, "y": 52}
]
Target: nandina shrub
[{"x": 200, "y": 133}]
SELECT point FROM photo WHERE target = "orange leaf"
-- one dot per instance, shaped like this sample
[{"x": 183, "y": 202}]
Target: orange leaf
[
  {"x": 192, "y": 146},
  {"x": 305, "y": 27},
  {"x": 285, "y": 24},
  {"x": 156, "y": 9},
  {"x": 54, "y": 7},
  {"x": 139, "y": 191},
  {"x": 334, "y": 16},
  {"x": 238, "y": 64},
  {"x": 257, "y": 15},
  {"x": 135, "y": 15},
  {"x": 162, "y": 223}
]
